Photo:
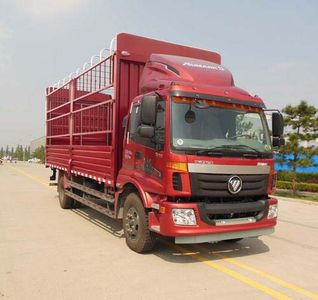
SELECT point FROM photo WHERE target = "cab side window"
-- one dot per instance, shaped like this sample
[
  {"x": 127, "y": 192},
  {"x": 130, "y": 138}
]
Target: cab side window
[
  {"x": 133, "y": 128},
  {"x": 134, "y": 122},
  {"x": 159, "y": 126}
]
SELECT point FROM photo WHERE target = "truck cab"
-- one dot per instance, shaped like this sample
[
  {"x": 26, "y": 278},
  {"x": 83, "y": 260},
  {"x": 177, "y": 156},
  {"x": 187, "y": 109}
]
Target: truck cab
[{"x": 199, "y": 151}]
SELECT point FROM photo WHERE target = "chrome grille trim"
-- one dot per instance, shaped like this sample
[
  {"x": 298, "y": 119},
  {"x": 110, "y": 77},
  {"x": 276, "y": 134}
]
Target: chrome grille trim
[{"x": 228, "y": 169}]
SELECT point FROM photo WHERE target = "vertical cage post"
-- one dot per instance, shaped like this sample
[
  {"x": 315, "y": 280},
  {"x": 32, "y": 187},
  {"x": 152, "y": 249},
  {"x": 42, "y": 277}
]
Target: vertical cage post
[{"x": 72, "y": 96}]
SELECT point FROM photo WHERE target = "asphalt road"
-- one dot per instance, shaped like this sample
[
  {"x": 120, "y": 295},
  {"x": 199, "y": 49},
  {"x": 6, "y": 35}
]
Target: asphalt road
[{"x": 50, "y": 253}]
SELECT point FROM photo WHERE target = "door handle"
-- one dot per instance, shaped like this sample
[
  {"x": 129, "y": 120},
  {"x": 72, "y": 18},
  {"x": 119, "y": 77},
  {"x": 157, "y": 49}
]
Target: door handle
[{"x": 138, "y": 155}]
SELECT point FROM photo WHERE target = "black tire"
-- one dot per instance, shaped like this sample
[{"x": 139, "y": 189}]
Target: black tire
[
  {"x": 233, "y": 240},
  {"x": 65, "y": 201},
  {"x": 135, "y": 223}
]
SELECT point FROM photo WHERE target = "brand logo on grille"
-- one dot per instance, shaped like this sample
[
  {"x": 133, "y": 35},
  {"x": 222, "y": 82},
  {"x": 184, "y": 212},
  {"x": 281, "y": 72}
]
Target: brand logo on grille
[{"x": 234, "y": 185}]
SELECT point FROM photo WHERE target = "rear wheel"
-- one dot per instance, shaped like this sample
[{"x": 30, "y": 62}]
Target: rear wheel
[
  {"x": 135, "y": 223},
  {"x": 65, "y": 201}
]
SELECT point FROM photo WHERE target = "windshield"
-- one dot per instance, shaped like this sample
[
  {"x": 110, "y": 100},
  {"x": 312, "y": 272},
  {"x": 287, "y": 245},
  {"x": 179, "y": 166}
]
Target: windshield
[{"x": 200, "y": 124}]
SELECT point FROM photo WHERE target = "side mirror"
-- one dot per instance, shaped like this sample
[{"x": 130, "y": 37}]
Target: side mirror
[
  {"x": 278, "y": 142},
  {"x": 277, "y": 124},
  {"x": 281, "y": 142},
  {"x": 146, "y": 131},
  {"x": 148, "y": 109}
]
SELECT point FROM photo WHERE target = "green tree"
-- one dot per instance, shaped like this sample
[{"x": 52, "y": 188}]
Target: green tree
[
  {"x": 7, "y": 150},
  {"x": 1, "y": 152},
  {"x": 301, "y": 121},
  {"x": 39, "y": 153},
  {"x": 26, "y": 153},
  {"x": 21, "y": 154},
  {"x": 18, "y": 153}
]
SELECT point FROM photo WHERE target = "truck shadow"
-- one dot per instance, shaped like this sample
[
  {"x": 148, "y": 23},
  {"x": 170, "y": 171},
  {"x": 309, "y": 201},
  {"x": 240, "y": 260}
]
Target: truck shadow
[
  {"x": 110, "y": 225},
  {"x": 168, "y": 251}
]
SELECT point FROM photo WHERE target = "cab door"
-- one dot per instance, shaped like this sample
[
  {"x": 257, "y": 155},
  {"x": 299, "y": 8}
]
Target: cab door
[{"x": 144, "y": 157}]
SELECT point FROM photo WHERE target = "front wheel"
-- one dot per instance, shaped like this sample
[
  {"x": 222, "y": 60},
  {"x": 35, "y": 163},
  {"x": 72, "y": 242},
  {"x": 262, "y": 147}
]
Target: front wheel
[{"x": 135, "y": 223}]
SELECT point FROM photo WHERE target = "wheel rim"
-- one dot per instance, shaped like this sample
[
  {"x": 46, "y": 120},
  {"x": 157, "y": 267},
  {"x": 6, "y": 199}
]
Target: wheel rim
[{"x": 132, "y": 223}]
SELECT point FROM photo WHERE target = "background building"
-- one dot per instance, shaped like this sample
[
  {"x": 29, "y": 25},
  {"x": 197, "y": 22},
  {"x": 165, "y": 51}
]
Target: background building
[{"x": 37, "y": 143}]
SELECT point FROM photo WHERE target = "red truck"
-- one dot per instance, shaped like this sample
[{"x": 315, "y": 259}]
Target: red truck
[{"x": 158, "y": 135}]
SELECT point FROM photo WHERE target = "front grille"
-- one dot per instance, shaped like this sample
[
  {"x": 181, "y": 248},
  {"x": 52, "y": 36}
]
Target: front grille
[
  {"x": 216, "y": 185},
  {"x": 233, "y": 215},
  {"x": 209, "y": 213},
  {"x": 176, "y": 181}
]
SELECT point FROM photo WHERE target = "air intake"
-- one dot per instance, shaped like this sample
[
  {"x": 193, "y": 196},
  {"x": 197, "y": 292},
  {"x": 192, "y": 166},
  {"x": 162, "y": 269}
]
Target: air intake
[{"x": 176, "y": 181}]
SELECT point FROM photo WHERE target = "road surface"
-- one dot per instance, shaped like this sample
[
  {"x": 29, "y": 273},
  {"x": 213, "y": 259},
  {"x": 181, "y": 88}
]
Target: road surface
[{"x": 50, "y": 253}]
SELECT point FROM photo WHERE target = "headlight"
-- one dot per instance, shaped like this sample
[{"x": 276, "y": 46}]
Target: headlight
[
  {"x": 272, "y": 211},
  {"x": 183, "y": 216}
]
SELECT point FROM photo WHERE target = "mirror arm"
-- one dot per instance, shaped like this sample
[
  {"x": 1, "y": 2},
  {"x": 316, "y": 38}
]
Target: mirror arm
[{"x": 272, "y": 109}]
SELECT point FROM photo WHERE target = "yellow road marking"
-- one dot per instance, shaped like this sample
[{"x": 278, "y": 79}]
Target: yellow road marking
[
  {"x": 272, "y": 278},
  {"x": 30, "y": 176},
  {"x": 251, "y": 282}
]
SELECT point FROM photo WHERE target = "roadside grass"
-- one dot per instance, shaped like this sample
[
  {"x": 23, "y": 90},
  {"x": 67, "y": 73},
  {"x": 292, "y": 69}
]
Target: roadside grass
[{"x": 299, "y": 195}]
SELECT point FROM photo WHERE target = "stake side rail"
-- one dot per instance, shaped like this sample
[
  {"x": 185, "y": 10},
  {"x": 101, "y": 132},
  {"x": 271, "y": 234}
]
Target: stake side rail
[
  {"x": 80, "y": 114},
  {"x": 87, "y": 108}
]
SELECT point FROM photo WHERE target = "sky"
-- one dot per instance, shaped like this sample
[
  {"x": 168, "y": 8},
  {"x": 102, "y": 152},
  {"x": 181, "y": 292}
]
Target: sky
[{"x": 271, "y": 47}]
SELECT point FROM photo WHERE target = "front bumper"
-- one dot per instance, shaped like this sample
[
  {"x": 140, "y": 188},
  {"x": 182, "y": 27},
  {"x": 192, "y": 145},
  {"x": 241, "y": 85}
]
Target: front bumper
[
  {"x": 162, "y": 223},
  {"x": 216, "y": 237}
]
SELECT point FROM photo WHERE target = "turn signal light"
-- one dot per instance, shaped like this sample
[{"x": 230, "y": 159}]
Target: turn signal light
[{"x": 177, "y": 166}]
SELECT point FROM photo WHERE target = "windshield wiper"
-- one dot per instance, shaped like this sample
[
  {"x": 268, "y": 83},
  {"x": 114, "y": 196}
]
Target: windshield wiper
[
  {"x": 238, "y": 147},
  {"x": 217, "y": 151}
]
